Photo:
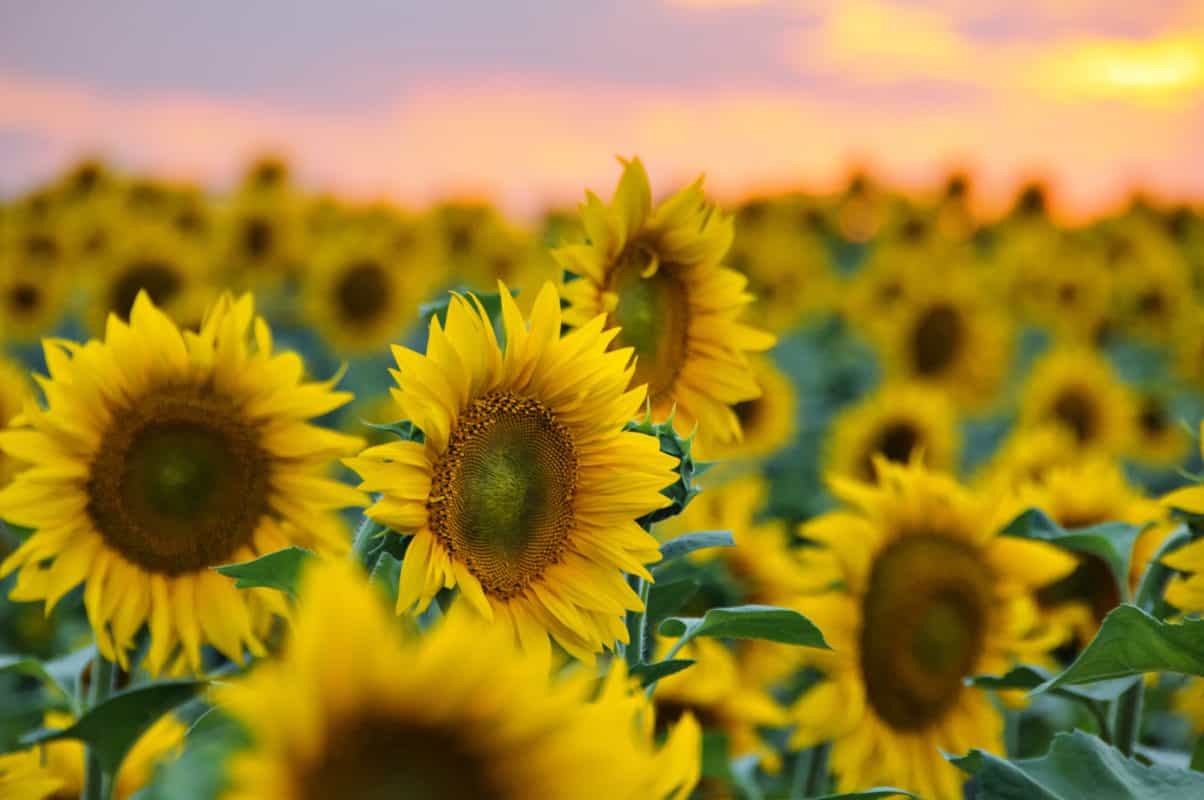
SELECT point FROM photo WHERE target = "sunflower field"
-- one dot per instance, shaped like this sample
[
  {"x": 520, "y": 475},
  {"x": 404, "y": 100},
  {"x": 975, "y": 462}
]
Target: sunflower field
[{"x": 858, "y": 495}]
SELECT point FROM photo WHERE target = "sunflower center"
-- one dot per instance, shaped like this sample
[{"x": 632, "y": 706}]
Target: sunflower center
[
  {"x": 1076, "y": 411},
  {"x": 258, "y": 237},
  {"x": 502, "y": 494},
  {"x": 179, "y": 482},
  {"x": 159, "y": 280},
  {"x": 936, "y": 339},
  {"x": 377, "y": 757},
  {"x": 925, "y": 619},
  {"x": 1153, "y": 419},
  {"x": 653, "y": 317},
  {"x": 894, "y": 442},
  {"x": 24, "y": 298},
  {"x": 362, "y": 292},
  {"x": 749, "y": 412}
]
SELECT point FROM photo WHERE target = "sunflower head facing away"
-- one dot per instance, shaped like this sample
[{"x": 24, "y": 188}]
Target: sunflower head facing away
[
  {"x": 931, "y": 596},
  {"x": 526, "y": 491},
  {"x": 350, "y": 711},
  {"x": 159, "y": 455},
  {"x": 655, "y": 273}
]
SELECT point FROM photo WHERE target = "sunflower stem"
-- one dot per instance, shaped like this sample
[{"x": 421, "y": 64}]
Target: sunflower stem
[
  {"x": 817, "y": 770},
  {"x": 96, "y": 783},
  {"x": 362, "y": 542},
  {"x": 1128, "y": 718},
  {"x": 639, "y": 650}
]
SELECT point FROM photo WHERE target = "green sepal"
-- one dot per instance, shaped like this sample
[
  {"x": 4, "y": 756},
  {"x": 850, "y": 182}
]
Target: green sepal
[
  {"x": 683, "y": 490},
  {"x": 278, "y": 570}
]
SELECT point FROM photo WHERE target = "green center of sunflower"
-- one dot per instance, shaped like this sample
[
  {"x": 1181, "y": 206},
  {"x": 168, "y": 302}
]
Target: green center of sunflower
[
  {"x": 926, "y": 613},
  {"x": 377, "y": 757},
  {"x": 653, "y": 317},
  {"x": 1074, "y": 409},
  {"x": 502, "y": 494},
  {"x": 157, "y": 278},
  {"x": 179, "y": 482},
  {"x": 936, "y": 339},
  {"x": 362, "y": 292}
]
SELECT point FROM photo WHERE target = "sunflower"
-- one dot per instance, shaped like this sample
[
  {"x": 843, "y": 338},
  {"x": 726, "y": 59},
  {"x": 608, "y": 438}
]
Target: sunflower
[
  {"x": 1089, "y": 492},
  {"x": 655, "y": 273},
  {"x": 171, "y": 268},
  {"x": 1159, "y": 440},
  {"x": 1064, "y": 288},
  {"x": 16, "y": 391},
  {"x": 59, "y": 765},
  {"x": 931, "y": 596},
  {"x": 1153, "y": 282},
  {"x": 260, "y": 238},
  {"x": 160, "y": 455},
  {"x": 480, "y": 247},
  {"x": 875, "y": 296},
  {"x": 723, "y": 700},
  {"x": 1027, "y": 455},
  {"x": 1077, "y": 389},
  {"x": 363, "y": 290},
  {"x": 31, "y": 304},
  {"x": 526, "y": 490},
  {"x": 1187, "y": 701},
  {"x": 950, "y": 335},
  {"x": 349, "y": 711},
  {"x": 767, "y": 422},
  {"x": 899, "y": 422},
  {"x": 1186, "y": 591}
]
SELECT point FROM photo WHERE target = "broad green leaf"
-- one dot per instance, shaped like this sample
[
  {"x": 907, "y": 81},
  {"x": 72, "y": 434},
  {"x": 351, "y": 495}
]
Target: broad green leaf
[
  {"x": 650, "y": 673},
  {"x": 667, "y": 598},
  {"x": 279, "y": 570},
  {"x": 699, "y": 540},
  {"x": 113, "y": 727},
  {"x": 1197, "y": 755},
  {"x": 1131, "y": 642},
  {"x": 60, "y": 675},
  {"x": 1111, "y": 541},
  {"x": 748, "y": 622},
  {"x": 1077, "y": 766},
  {"x": 1030, "y": 677},
  {"x": 878, "y": 793},
  {"x": 715, "y": 761}
]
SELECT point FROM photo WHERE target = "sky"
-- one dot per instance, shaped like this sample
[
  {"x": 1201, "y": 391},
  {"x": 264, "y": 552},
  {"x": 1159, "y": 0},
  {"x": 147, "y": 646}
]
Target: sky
[{"x": 528, "y": 103}]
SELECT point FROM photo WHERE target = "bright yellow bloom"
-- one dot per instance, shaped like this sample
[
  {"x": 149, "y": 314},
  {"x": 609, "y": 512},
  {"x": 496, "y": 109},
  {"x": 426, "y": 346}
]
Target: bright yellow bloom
[
  {"x": 655, "y": 273},
  {"x": 1078, "y": 389},
  {"x": 159, "y": 455},
  {"x": 527, "y": 489},
  {"x": 356, "y": 710},
  {"x": 767, "y": 422},
  {"x": 932, "y": 596}
]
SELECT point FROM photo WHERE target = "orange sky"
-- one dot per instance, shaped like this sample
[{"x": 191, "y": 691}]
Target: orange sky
[{"x": 1099, "y": 97}]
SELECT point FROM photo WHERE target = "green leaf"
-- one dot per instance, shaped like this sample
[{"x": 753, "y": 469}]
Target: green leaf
[
  {"x": 491, "y": 301},
  {"x": 1111, "y": 541},
  {"x": 1197, "y": 755},
  {"x": 60, "y": 675},
  {"x": 715, "y": 761},
  {"x": 1078, "y": 765},
  {"x": 403, "y": 429},
  {"x": 877, "y": 793},
  {"x": 699, "y": 540},
  {"x": 650, "y": 673},
  {"x": 1131, "y": 642},
  {"x": 667, "y": 598},
  {"x": 1030, "y": 677},
  {"x": 279, "y": 570},
  {"x": 113, "y": 727},
  {"x": 744, "y": 776},
  {"x": 748, "y": 622}
]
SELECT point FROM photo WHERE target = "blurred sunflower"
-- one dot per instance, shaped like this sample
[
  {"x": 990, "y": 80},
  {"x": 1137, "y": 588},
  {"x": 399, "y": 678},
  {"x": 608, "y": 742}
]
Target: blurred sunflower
[
  {"x": 31, "y": 304},
  {"x": 480, "y": 247},
  {"x": 16, "y": 391},
  {"x": 723, "y": 700},
  {"x": 1186, "y": 591},
  {"x": 1188, "y": 701},
  {"x": 950, "y": 335},
  {"x": 160, "y": 455},
  {"x": 363, "y": 290},
  {"x": 900, "y": 422},
  {"x": 1153, "y": 285},
  {"x": 150, "y": 257},
  {"x": 1066, "y": 290},
  {"x": 767, "y": 422},
  {"x": 655, "y": 273},
  {"x": 1090, "y": 492},
  {"x": 1077, "y": 389},
  {"x": 932, "y": 597},
  {"x": 60, "y": 764},
  {"x": 349, "y": 711},
  {"x": 1026, "y": 456},
  {"x": 526, "y": 490},
  {"x": 1159, "y": 439},
  {"x": 260, "y": 239},
  {"x": 875, "y": 296}
]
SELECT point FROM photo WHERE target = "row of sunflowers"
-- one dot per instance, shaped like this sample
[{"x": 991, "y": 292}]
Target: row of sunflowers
[{"x": 864, "y": 493}]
